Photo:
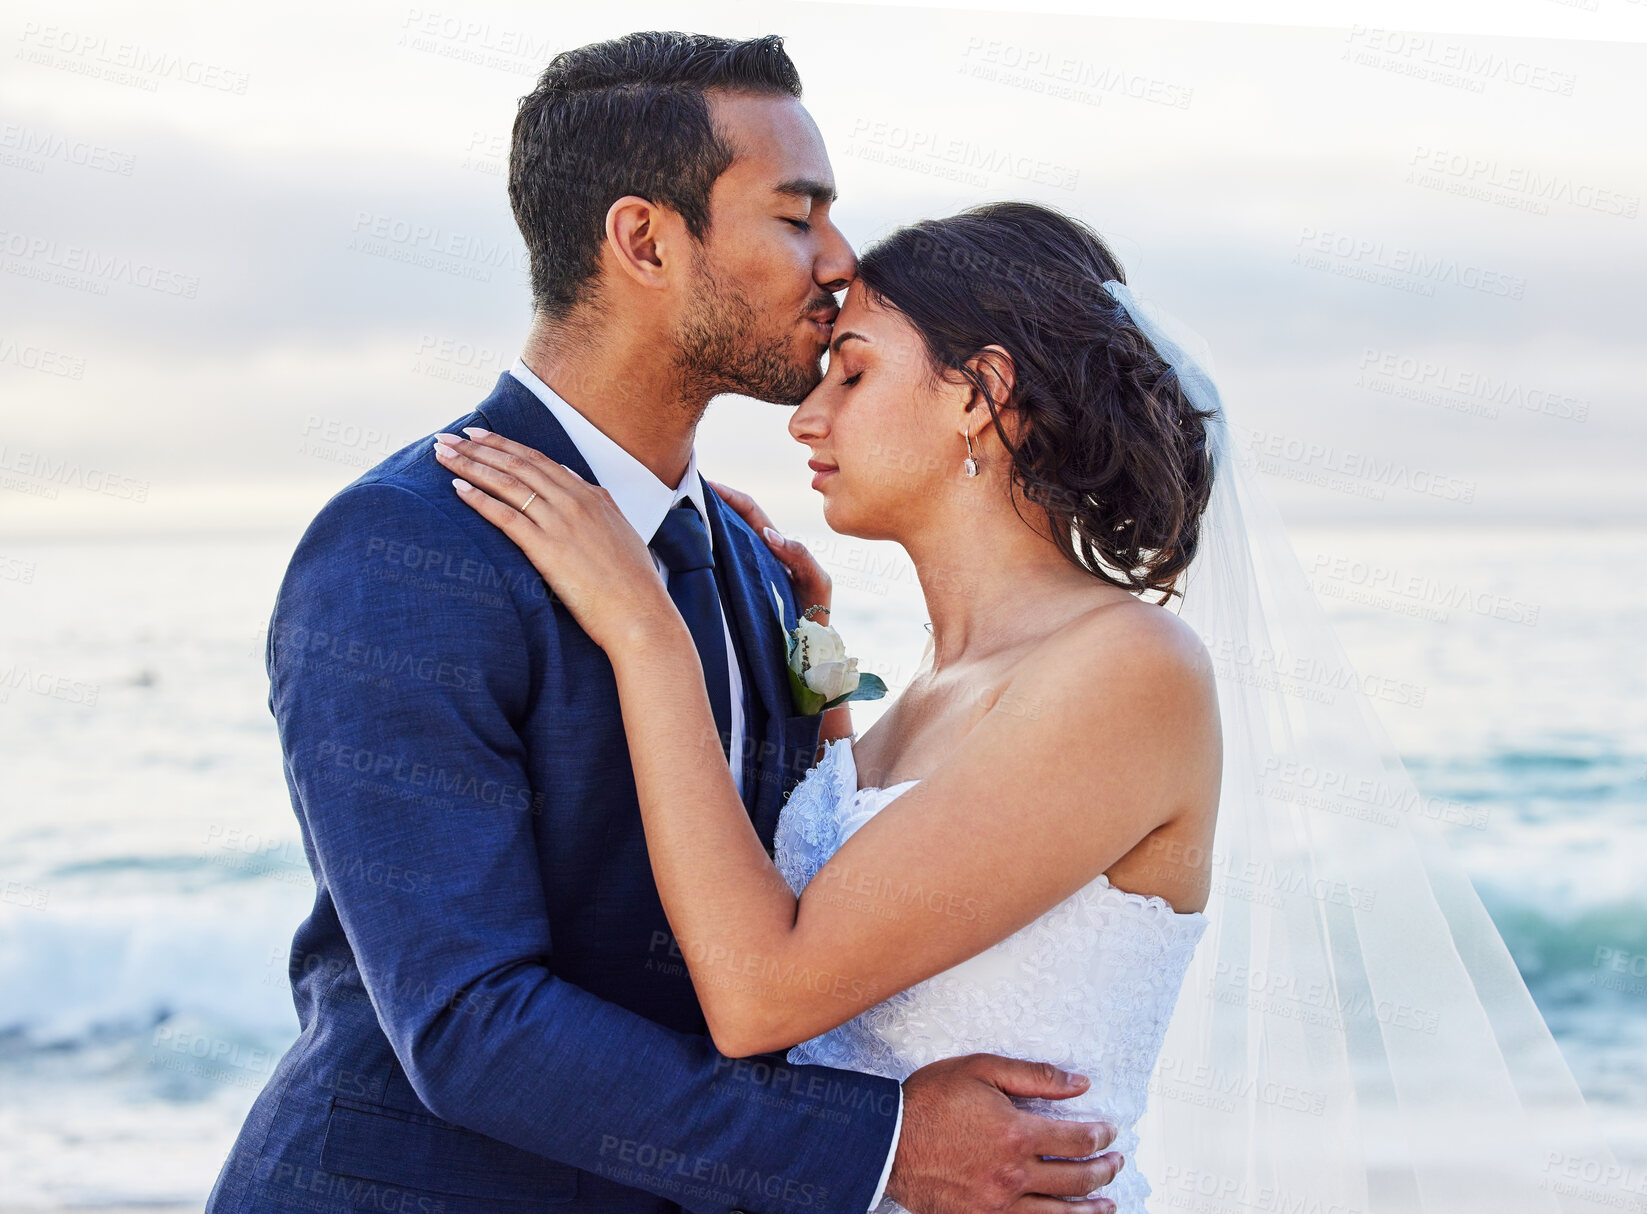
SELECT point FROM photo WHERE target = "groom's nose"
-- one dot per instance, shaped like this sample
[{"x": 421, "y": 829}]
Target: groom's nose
[{"x": 836, "y": 265}]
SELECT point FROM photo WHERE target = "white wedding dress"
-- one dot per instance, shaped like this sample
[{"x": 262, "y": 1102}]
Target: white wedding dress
[{"x": 1088, "y": 986}]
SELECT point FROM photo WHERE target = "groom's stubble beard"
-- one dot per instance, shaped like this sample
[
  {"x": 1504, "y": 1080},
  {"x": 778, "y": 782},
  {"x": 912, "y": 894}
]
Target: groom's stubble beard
[{"x": 721, "y": 348}]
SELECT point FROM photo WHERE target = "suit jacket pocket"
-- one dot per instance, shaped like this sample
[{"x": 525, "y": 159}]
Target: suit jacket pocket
[{"x": 437, "y": 1157}]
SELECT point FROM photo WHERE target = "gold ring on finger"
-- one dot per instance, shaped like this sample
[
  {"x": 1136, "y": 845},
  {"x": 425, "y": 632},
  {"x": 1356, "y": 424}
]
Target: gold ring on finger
[{"x": 529, "y": 501}]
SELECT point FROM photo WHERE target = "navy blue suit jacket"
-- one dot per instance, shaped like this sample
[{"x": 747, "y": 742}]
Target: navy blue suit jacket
[{"x": 494, "y": 1016}]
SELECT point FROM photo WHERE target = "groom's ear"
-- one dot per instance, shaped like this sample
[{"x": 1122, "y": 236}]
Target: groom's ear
[{"x": 643, "y": 241}]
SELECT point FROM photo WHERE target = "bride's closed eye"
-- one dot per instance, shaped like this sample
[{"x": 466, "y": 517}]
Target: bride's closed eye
[{"x": 851, "y": 379}]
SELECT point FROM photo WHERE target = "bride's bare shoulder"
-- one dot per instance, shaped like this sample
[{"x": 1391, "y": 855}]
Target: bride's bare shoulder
[
  {"x": 1127, "y": 626},
  {"x": 1122, "y": 645}
]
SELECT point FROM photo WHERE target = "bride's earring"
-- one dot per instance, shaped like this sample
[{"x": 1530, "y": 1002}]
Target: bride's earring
[{"x": 970, "y": 464}]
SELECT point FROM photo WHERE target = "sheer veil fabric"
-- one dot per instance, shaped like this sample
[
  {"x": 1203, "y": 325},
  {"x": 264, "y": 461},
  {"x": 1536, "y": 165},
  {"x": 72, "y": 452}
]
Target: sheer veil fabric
[{"x": 1353, "y": 1036}]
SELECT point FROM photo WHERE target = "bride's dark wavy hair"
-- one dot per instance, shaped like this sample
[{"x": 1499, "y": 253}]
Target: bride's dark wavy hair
[{"x": 1109, "y": 449}]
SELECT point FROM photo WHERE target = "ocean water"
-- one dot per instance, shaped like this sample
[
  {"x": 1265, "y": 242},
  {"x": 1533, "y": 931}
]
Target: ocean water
[{"x": 151, "y": 876}]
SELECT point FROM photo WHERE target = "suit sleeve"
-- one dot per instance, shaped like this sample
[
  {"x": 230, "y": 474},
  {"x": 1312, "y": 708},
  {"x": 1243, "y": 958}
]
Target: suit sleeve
[{"x": 399, "y": 667}]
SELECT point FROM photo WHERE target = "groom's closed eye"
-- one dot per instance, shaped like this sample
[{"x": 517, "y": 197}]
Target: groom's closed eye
[{"x": 816, "y": 194}]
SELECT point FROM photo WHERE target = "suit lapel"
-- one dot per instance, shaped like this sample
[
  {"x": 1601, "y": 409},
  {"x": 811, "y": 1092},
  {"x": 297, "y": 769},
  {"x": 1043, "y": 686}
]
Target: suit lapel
[
  {"x": 513, "y": 411},
  {"x": 752, "y": 607},
  {"x": 755, "y": 618}
]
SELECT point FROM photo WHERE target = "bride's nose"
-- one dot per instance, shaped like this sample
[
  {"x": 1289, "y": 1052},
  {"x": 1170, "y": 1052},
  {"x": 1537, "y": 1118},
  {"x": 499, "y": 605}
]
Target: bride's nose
[{"x": 810, "y": 422}]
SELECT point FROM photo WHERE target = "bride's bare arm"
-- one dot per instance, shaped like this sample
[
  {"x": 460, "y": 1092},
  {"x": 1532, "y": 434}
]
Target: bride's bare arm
[
  {"x": 1108, "y": 733},
  {"x": 1034, "y": 805}
]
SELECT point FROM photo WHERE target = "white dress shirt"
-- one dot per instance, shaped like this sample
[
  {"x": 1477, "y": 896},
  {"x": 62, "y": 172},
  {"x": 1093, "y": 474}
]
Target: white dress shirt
[{"x": 644, "y": 501}]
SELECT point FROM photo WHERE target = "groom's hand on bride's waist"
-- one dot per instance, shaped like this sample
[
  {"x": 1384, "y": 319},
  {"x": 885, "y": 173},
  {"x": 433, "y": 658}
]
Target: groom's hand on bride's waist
[{"x": 965, "y": 1148}]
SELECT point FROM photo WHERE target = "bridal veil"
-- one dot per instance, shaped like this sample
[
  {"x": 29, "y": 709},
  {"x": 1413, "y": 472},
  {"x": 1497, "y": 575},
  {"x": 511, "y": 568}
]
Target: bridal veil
[{"x": 1353, "y": 1037}]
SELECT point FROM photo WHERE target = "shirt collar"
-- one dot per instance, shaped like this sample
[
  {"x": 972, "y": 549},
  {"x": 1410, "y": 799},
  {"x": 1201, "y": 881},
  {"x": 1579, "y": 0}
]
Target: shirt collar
[{"x": 641, "y": 497}]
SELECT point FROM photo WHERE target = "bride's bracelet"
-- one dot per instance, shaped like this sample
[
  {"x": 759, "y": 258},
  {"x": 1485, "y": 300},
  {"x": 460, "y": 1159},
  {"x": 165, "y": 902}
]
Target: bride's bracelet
[{"x": 816, "y": 607}]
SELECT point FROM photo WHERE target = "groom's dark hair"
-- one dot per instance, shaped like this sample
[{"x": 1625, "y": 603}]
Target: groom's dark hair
[{"x": 623, "y": 117}]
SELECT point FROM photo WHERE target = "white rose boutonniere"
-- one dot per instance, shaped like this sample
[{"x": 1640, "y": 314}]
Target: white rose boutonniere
[{"x": 821, "y": 675}]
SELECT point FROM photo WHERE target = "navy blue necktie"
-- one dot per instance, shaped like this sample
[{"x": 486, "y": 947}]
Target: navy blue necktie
[{"x": 682, "y": 543}]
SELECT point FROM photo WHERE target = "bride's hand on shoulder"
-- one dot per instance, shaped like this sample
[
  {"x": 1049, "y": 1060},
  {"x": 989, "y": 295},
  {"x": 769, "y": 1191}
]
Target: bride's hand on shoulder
[
  {"x": 811, "y": 583},
  {"x": 571, "y": 531}
]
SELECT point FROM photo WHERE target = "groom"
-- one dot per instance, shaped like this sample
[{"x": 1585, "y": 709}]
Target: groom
[{"x": 494, "y": 1014}]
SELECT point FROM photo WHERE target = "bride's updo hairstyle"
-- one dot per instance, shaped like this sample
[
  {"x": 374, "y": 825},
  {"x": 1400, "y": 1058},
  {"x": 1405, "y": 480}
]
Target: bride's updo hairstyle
[{"x": 1108, "y": 447}]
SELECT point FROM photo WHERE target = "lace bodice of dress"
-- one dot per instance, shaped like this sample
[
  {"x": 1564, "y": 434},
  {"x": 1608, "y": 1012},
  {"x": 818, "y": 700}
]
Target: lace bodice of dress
[{"x": 1088, "y": 986}]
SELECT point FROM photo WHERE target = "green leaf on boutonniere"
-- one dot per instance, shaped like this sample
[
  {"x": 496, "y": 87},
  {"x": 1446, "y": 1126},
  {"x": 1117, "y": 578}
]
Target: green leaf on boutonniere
[{"x": 870, "y": 687}]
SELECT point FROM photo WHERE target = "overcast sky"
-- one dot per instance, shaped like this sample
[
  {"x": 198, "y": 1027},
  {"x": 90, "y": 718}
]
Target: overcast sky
[{"x": 245, "y": 254}]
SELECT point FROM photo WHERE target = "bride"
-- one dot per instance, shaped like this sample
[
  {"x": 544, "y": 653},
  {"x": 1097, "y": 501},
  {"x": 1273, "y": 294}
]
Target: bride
[
  {"x": 1013, "y": 860},
  {"x": 1017, "y": 857}
]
